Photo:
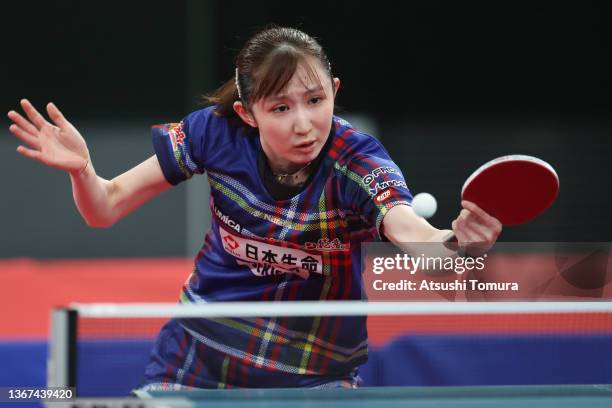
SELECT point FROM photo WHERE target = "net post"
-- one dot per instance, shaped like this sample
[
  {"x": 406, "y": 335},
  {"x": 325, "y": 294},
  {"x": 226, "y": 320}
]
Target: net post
[{"x": 62, "y": 360}]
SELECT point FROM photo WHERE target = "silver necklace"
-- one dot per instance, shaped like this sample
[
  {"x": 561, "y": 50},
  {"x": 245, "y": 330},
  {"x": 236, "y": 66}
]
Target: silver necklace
[{"x": 295, "y": 178}]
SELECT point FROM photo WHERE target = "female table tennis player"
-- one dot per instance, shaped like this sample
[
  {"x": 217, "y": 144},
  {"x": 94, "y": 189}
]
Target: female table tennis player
[{"x": 294, "y": 191}]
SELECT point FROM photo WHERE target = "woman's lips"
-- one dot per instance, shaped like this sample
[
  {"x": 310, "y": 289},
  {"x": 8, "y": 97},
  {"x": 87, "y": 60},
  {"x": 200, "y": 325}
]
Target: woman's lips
[{"x": 306, "y": 146}]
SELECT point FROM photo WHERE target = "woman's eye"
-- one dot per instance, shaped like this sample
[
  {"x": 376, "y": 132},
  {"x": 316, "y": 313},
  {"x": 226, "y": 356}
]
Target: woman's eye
[
  {"x": 282, "y": 108},
  {"x": 315, "y": 100}
]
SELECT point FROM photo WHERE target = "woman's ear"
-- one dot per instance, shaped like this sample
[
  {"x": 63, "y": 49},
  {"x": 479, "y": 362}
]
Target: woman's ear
[
  {"x": 244, "y": 114},
  {"x": 336, "y": 86}
]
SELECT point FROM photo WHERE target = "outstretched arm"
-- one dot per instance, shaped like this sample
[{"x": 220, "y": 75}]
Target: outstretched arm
[
  {"x": 59, "y": 144},
  {"x": 103, "y": 202},
  {"x": 475, "y": 230},
  {"x": 404, "y": 228}
]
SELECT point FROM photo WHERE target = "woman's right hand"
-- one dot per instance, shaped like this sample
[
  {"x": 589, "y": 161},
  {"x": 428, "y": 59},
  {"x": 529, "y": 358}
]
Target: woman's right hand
[{"x": 58, "y": 144}]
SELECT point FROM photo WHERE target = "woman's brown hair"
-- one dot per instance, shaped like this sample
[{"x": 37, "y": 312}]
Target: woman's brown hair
[{"x": 265, "y": 65}]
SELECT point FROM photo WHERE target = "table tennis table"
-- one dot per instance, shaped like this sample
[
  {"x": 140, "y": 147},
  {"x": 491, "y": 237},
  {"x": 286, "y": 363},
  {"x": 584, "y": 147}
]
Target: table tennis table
[{"x": 557, "y": 396}]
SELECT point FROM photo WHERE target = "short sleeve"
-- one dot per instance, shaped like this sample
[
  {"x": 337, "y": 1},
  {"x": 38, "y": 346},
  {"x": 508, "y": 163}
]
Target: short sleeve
[
  {"x": 181, "y": 148},
  {"x": 373, "y": 183}
]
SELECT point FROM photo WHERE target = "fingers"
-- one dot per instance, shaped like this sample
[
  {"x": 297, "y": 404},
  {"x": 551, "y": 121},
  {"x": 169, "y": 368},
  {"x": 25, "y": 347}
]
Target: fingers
[
  {"x": 480, "y": 213},
  {"x": 29, "y": 153},
  {"x": 36, "y": 118},
  {"x": 471, "y": 232},
  {"x": 473, "y": 239},
  {"x": 26, "y": 137},
  {"x": 56, "y": 116},
  {"x": 473, "y": 227},
  {"x": 466, "y": 233},
  {"x": 22, "y": 122}
]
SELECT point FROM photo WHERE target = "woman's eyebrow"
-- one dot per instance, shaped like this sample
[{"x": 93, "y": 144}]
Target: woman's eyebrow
[{"x": 307, "y": 92}]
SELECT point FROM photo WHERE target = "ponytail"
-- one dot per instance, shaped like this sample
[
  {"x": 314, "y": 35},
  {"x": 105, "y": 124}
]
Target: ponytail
[{"x": 223, "y": 98}]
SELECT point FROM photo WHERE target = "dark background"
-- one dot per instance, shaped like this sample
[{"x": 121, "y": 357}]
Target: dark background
[{"x": 450, "y": 86}]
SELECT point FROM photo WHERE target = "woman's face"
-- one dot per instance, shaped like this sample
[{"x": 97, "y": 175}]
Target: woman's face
[{"x": 295, "y": 123}]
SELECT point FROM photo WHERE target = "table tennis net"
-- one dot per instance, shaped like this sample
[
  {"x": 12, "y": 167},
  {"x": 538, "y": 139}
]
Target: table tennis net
[
  {"x": 429, "y": 319},
  {"x": 111, "y": 344}
]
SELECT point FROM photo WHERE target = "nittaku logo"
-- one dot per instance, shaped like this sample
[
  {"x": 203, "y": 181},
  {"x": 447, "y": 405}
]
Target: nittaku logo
[{"x": 382, "y": 197}]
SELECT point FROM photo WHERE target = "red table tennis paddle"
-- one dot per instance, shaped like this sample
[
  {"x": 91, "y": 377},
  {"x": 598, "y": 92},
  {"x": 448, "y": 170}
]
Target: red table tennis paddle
[{"x": 514, "y": 189}]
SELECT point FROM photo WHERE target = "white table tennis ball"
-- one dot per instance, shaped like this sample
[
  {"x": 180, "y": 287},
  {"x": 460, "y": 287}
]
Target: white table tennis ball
[{"x": 424, "y": 205}]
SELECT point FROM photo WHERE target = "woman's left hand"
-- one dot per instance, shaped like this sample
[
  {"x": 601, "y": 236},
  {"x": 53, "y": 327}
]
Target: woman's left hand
[{"x": 475, "y": 230}]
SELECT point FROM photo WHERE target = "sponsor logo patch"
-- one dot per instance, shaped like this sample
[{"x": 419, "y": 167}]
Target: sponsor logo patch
[
  {"x": 176, "y": 134},
  {"x": 226, "y": 219},
  {"x": 265, "y": 259},
  {"x": 324, "y": 244},
  {"x": 383, "y": 196},
  {"x": 376, "y": 181}
]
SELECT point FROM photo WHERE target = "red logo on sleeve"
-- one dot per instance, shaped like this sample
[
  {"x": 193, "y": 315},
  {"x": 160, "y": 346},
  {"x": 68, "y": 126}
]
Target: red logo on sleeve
[{"x": 383, "y": 196}]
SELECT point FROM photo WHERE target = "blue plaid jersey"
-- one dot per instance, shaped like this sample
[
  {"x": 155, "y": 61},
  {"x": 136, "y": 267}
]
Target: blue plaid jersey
[{"x": 260, "y": 249}]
